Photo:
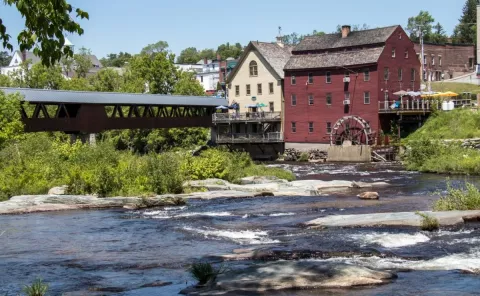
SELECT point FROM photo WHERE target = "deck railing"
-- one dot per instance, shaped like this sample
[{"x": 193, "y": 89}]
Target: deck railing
[
  {"x": 275, "y": 137},
  {"x": 408, "y": 106},
  {"x": 247, "y": 116}
]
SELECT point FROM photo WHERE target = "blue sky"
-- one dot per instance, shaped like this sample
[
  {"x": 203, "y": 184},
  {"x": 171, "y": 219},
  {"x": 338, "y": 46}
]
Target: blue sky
[{"x": 126, "y": 25}]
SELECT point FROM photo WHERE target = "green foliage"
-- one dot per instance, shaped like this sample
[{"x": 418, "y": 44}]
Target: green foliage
[
  {"x": 230, "y": 51},
  {"x": 116, "y": 60},
  {"x": 11, "y": 126},
  {"x": 429, "y": 223},
  {"x": 5, "y": 81},
  {"x": 154, "y": 48},
  {"x": 46, "y": 22},
  {"x": 303, "y": 157},
  {"x": 107, "y": 80},
  {"x": 466, "y": 30},
  {"x": 424, "y": 22},
  {"x": 456, "y": 124},
  {"x": 37, "y": 288},
  {"x": 204, "y": 272},
  {"x": 82, "y": 62},
  {"x": 4, "y": 58},
  {"x": 187, "y": 84},
  {"x": 459, "y": 199},
  {"x": 77, "y": 84},
  {"x": 188, "y": 56},
  {"x": 456, "y": 87}
]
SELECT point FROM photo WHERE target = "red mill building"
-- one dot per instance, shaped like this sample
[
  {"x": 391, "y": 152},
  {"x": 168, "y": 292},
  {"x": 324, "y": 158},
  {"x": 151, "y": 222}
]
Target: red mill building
[{"x": 339, "y": 86}]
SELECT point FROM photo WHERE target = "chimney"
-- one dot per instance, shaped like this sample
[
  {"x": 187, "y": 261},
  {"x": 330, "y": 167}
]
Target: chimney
[
  {"x": 218, "y": 57},
  {"x": 205, "y": 61},
  {"x": 280, "y": 41},
  {"x": 346, "y": 31}
]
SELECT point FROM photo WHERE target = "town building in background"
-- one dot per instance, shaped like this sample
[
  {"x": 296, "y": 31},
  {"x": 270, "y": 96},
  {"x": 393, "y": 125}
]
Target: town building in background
[
  {"x": 20, "y": 57},
  {"x": 340, "y": 87},
  {"x": 255, "y": 93},
  {"x": 446, "y": 61}
]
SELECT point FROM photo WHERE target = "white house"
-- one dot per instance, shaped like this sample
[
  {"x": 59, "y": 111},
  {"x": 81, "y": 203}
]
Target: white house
[{"x": 210, "y": 75}]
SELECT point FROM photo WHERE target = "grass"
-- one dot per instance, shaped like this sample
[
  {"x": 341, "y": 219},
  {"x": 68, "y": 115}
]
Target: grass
[
  {"x": 456, "y": 87},
  {"x": 429, "y": 223},
  {"x": 456, "y": 124},
  {"x": 37, "y": 288},
  {"x": 204, "y": 272},
  {"x": 459, "y": 199}
]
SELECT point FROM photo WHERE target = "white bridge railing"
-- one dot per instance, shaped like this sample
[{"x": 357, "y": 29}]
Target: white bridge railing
[
  {"x": 274, "y": 137},
  {"x": 247, "y": 116}
]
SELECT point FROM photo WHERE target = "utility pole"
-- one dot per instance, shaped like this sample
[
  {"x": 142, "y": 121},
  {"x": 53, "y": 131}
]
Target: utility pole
[{"x": 422, "y": 58}]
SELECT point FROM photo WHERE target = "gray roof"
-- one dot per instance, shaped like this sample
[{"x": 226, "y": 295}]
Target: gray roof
[
  {"x": 274, "y": 54},
  {"x": 355, "y": 38},
  {"x": 35, "y": 59},
  {"x": 335, "y": 59},
  {"x": 105, "y": 98}
]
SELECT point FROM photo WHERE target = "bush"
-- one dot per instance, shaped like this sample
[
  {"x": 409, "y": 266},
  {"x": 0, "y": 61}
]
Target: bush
[
  {"x": 204, "y": 272},
  {"x": 429, "y": 223},
  {"x": 459, "y": 199},
  {"x": 303, "y": 157},
  {"x": 37, "y": 288}
]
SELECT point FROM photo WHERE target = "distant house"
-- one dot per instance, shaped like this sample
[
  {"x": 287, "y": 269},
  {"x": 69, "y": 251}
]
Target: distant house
[{"x": 19, "y": 57}]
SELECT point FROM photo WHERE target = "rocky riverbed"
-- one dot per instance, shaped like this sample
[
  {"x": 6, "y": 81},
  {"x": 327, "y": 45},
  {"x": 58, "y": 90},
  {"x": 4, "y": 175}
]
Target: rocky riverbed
[{"x": 261, "y": 242}]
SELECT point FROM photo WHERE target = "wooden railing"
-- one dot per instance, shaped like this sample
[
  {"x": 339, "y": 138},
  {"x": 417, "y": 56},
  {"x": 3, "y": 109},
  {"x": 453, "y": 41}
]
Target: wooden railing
[
  {"x": 248, "y": 116},
  {"x": 275, "y": 137},
  {"x": 408, "y": 106}
]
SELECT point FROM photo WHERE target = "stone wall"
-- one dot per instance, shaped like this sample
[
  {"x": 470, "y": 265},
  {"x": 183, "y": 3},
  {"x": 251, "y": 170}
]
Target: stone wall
[{"x": 357, "y": 153}]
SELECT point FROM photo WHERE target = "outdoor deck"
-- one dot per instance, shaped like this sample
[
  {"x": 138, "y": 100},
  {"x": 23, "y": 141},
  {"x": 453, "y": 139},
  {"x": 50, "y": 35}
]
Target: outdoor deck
[
  {"x": 408, "y": 106},
  {"x": 247, "y": 117},
  {"x": 275, "y": 137}
]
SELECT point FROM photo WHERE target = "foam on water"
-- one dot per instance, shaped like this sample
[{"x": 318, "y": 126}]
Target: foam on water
[
  {"x": 250, "y": 237},
  {"x": 462, "y": 261},
  {"x": 391, "y": 240},
  {"x": 169, "y": 215},
  {"x": 281, "y": 214}
]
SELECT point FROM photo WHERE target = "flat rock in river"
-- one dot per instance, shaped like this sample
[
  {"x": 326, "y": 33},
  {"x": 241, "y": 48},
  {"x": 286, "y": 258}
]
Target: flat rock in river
[
  {"x": 282, "y": 275},
  {"x": 394, "y": 219}
]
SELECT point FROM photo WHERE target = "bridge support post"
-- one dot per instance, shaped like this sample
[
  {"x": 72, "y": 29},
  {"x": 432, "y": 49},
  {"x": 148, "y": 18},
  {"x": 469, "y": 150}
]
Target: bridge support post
[
  {"x": 84, "y": 138},
  {"x": 213, "y": 134}
]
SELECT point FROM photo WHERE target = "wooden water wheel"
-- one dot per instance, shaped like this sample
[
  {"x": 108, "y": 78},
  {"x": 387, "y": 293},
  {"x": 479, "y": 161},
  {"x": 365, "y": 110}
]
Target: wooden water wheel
[{"x": 351, "y": 128}]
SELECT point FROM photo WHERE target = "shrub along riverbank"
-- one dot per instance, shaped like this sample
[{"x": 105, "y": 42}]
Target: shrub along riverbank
[
  {"x": 41, "y": 161},
  {"x": 427, "y": 152}
]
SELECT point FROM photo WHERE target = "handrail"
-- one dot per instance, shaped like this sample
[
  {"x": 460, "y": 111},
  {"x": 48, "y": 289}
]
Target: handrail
[
  {"x": 250, "y": 138},
  {"x": 247, "y": 116}
]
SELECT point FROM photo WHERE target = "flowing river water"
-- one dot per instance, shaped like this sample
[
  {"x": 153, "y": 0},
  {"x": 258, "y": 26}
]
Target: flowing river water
[{"x": 116, "y": 252}]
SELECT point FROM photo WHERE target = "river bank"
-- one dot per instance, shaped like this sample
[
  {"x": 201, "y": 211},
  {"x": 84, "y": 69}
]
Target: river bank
[{"x": 125, "y": 251}]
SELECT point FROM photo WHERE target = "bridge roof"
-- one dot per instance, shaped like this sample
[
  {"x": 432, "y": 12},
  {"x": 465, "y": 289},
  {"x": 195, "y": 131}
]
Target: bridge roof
[{"x": 107, "y": 98}]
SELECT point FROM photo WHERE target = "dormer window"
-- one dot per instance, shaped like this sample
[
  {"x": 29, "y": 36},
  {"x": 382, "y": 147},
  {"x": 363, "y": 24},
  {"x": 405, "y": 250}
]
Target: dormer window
[{"x": 16, "y": 61}]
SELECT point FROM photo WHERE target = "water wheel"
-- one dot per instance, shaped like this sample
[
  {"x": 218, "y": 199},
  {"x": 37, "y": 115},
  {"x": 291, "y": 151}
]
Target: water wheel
[{"x": 351, "y": 128}]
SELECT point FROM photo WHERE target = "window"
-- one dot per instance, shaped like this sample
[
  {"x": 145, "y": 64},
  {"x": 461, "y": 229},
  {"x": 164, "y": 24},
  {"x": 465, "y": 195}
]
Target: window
[
  {"x": 328, "y": 77},
  {"x": 254, "y": 129},
  {"x": 294, "y": 127},
  {"x": 310, "y": 127},
  {"x": 470, "y": 62},
  {"x": 439, "y": 60},
  {"x": 406, "y": 53},
  {"x": 329, "y": 98},
  {"x": 393, "y": 52},
  {"x": 329, "y": 127},
  {"x": 400, "y": 36},
  {"x": 425, "y": 59},
  {"x": 433, "y": 61},
  {"x": 347, "y": 95},
  {"x": 237, "y": 90},
  {"x": 310, "y": 78},
  {"x": 386, "y": 73},
  {"x": 237, "y": 128},
  {"x": 201, "y": 78},
  {"x": 270, "y": 87},
  {"x": 400, "y": 74},
  {"x": 412, "y": 74},
  {"x": 248, "y": 89},
  {"x": 366, "y": 97},
  {"x": 253, "y": 68},
  {"x": 386, "y": 96},
  {"x": 293, "y": 80},
  {"x": 271, "y": 108},
  {"x": 259, "y": 89},
  {"x": 366, "y": 75},
  {"x": 310, "y": 100},
  {"x": 294, "y": 100}
]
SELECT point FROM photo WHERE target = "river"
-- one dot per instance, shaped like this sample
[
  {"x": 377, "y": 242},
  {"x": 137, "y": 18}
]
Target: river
[{"x": 116, "y": 252}]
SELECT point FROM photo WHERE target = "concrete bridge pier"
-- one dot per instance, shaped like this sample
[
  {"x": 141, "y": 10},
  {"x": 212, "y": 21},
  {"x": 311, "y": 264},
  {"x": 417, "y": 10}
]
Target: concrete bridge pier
[{"x": 84, "y": 138}]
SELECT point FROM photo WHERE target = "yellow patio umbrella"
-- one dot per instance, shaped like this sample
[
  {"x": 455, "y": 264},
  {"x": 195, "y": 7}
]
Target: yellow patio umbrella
[
  {"x": 427, "y": 96},
  {"x": 449, "y": 94}
]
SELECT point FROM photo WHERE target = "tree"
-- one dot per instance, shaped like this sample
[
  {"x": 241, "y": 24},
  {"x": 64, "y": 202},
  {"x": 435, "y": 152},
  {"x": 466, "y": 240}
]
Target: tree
[
  {"x": 107, "y": 80},
  {"x": 207, "y": 53},
  {"x": 46, "y": 22},
  {"x": 116, "y": 60},
  {"x": 37, "y": 76},
  {"x": 78, "y": 84},
  {"x": 466, "y": 30},
  {"x": 11, "y": 126},
  {"x": 353, "y": 28},
  {"x": 422, "y": 22},
  {"x": 226, "y": 50},
  {"x": 187, "y": 84},
  {"x": 295, "y": 38},
  {"x": 4, "y": 58},
  {"x": 5, "y": 81},
  {"x": 158, "y": 71},
  {"x": 189, "y": 55},
  {"x": 82, "y": 62},
  {"x": 438, "y": 35},
  {"x": 160, "y": 46}
]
